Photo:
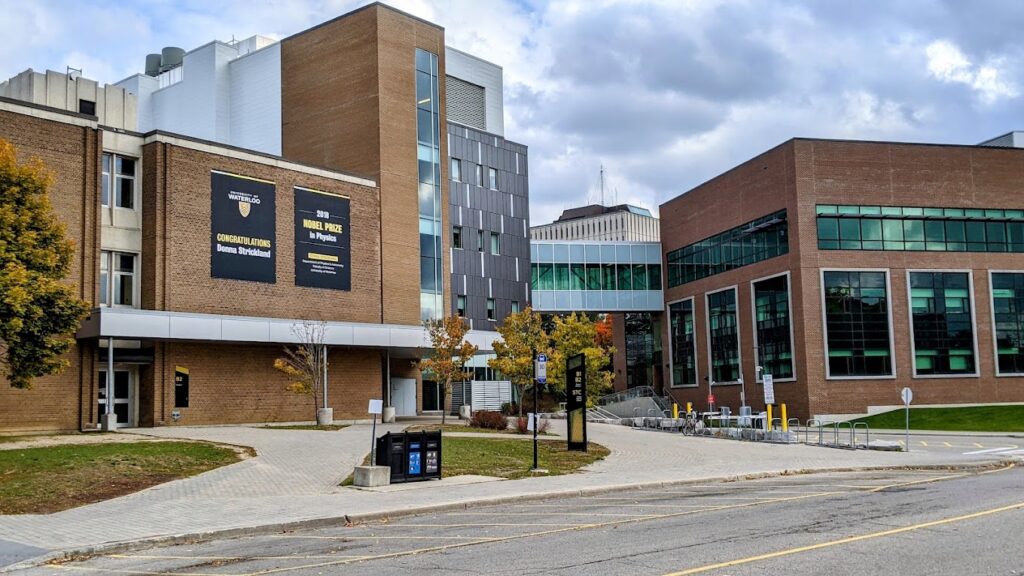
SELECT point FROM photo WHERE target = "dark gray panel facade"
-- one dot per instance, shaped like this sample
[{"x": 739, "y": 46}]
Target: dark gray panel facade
[{"x": 477, "y": 274}]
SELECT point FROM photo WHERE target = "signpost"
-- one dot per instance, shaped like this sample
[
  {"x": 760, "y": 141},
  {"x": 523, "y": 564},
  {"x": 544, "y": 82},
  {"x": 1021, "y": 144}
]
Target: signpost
[
  {"x": 769, "y": 388},
  {"x": 908, "y": 396},
  {"x": 375, "y": 407},
  {"x": 540, "y": 369},
  {"x": 576, "y": 402}
]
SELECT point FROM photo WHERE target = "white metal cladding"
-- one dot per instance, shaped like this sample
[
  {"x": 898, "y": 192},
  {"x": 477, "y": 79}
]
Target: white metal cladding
[
  {"x": 469, "y": 68},
  {"x": 133, "y": 324},
  {"x": 490, "y": 394}
]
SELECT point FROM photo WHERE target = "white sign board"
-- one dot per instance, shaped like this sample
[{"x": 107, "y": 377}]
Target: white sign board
[
  {"x": 769, "y": 389},
  {"x": 908, "y": 396},
  {"x": 542, "y": 369},
  {"x": 529, "y": 421},
  {"x": 376, "y": 407}
]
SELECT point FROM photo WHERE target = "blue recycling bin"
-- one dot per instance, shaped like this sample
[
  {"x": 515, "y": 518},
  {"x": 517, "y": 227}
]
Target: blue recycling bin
[{"x": 411, "y": 456}]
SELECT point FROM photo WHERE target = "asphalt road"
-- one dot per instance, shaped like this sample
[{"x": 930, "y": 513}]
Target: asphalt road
[{"x": 897, "y": 522}]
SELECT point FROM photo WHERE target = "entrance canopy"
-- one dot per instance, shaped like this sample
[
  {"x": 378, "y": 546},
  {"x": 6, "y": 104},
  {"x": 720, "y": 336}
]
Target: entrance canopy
[{"x": 133, "y": 324}]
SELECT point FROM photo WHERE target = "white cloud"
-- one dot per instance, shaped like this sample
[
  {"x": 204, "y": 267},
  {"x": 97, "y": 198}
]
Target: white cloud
[{"x": 946, "y": 62}]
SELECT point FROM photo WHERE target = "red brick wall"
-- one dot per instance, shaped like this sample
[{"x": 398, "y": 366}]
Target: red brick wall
[
  {"x": 72, "y": 153},
  {"x": 176, "y": 243}
]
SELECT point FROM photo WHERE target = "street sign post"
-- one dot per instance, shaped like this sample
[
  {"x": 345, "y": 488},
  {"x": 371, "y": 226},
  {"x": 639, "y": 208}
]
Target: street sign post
[
  {"x": 769, "y": 388},
  {"x": 375, "y": 407},
  {"x": 540, "y": 376},
  {"x": 908, "y": 396}
]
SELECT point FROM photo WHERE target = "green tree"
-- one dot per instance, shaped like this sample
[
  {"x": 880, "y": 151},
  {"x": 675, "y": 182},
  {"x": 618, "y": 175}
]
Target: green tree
[
  {"x": 521, "y": 336},
  {"x": 39, "y": 312},
  {"x": 447, "y": 362},
  {"x": 577, "y": 334}
]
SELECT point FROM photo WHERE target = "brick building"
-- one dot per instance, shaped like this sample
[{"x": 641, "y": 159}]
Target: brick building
[
  {"x": 202, "y": 250},
  {"x": 847, "y": 271}
]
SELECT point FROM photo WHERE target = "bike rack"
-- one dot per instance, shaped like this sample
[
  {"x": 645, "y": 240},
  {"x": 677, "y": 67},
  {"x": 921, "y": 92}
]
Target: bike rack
[
  {"x": 867, "y": 433},
  {"x": 839, "y": 425},
  {"x": 807, "y": 430}
]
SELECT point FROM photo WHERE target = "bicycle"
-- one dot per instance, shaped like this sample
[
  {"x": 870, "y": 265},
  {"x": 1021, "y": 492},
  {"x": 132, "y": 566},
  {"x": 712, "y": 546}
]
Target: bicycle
[{"x": 690, "y": 424}]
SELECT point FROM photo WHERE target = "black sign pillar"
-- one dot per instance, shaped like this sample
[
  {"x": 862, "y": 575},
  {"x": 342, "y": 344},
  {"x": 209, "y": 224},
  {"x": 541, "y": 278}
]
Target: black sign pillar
[{"x": 576, "y": 401}]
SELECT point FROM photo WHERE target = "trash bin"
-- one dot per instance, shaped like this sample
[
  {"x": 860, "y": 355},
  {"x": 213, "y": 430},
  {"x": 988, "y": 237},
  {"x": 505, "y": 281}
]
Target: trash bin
[{"x": 412, "y": 456}]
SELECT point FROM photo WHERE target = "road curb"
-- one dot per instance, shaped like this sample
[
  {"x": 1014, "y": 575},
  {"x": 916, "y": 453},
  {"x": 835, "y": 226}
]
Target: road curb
[{"x": 84, "y": 552}]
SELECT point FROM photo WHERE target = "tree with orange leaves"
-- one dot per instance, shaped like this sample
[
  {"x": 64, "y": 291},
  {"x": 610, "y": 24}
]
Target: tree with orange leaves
[
  {"x": 447, "y": 362},
  {"x": 39, "y": 311}
]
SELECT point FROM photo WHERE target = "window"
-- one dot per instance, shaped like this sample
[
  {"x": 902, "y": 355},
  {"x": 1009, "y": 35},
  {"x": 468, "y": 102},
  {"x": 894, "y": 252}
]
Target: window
[
  {"x": 642, "y": 349},
  {"x": 428, "y": 154},
  {"x": 479, "y": 175},
  {"x": 943, "y": 327},
  {"x": 490, "y": 308},
  {"x": 457, "y": 237},
  {"x": 858, "y": 342},
  {"x": 905, "y": 228},
  {"x": 87, "y": 107},
  {"x": 515, "y": 306},
  {"x": 117, "y": 278},
  {"x": 492, "y": 178},
  {"x": 684, "y": 344},
  {"x": 1008, "y": 315},
  {"x": 772, "y": 334},
  {"x": 495, "y": 243},
  {"x": 724, "y": 345},
  {"x": 752, "y": 242},
  {"x": 456, "y": 170},
  {"x": 480, "y": 240},
  {"x": 118, "y": 172},
  {"x": 460, "y": 306},
  {"x": 598, "y": 276}
]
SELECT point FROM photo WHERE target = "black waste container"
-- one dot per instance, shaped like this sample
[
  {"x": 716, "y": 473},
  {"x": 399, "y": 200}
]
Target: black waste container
[{"x": 412, "y": 456}]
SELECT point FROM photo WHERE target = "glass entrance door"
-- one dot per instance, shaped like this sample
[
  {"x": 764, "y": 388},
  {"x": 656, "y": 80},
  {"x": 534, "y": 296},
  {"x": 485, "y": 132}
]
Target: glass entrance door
[{"x": 123, "y": 397}]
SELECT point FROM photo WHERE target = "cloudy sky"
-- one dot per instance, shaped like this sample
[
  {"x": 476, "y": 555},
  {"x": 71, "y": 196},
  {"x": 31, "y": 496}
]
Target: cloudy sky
[{"x": 665, "y": 94}]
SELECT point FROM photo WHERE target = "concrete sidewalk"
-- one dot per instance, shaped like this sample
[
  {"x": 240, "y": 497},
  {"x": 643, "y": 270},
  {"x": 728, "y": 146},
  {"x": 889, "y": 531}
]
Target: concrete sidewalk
[{"x": 296, "y": 474}]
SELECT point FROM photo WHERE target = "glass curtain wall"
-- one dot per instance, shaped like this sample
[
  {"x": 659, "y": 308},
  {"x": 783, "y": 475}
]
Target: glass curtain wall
[
  {"x": 545, "y": 276},
  {"x": 684, "y": 344},
  {"x": 752, "y": 242},
  {"x": 428, "y": 150},
  {"x": 903, "y": 228},
  {"x": 772, "y": 323},
  {"x": 643, "y": 349},
  {"x": 940, "y": 304},
  {"x": 857, "y": 324},
  {"x": 1008, "y": 309},
  {"x": 724, "y": 343}
]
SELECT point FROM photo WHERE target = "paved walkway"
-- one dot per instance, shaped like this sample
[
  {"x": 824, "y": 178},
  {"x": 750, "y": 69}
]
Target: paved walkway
[{"x": 296, "y": 474}]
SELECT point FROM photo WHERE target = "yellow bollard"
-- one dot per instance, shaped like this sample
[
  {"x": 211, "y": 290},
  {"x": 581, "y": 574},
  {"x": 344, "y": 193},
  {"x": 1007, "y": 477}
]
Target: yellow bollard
[
  {"x": 769, "y": 423},
  {"x": 785, "y": 422},
  {"x": 689, "y": 407},
  {"x": 675, "y": 410}
]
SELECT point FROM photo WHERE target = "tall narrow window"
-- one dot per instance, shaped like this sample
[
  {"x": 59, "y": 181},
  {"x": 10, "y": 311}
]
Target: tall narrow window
[
  {"x": 480, "y": 240},
  {"x": 495, "y": 243},
  {"x": 428, "y": 153},
  {"x": 108, "y": 160},
  {"x": 125, "y": 190},
  {"x": 857, "y": 324},
  {"x": 684, "y": 344},
  {"x": 117, "y": 278},
  {"x": 490, "y": 308},
  {"x": 515, "y": 306},
  {"x": 772, "y": 327},
  {"x": 460, "y": 306},
  {"x": 943, "y": 327},
  {"x": 492, "y": 178},
  {"x": 456, "y": 170},
  {"x": 479, "y": 175},
  {"x": 1008, "y": 311},
  {"x": 457, "y": 237},
  {"x": 724, "y": 345}
]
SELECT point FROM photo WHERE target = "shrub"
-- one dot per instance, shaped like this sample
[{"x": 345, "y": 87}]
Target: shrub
[
  {"x": 488, "y": 419},
  {"x": 522, "y": 423},
  {"x": 510, "y": 408}
]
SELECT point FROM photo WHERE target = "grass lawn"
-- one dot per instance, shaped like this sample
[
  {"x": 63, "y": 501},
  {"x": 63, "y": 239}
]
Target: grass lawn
[
  {"x": 324, "y": 428},
  {"x": 508, "y": 458},
  {"x": 965, "y": 419},
  {"x": 54, "y": 478}
]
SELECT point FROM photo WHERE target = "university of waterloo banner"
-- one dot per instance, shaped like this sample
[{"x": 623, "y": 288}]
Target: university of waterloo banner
[
  {"x": 322, "y": 240},
  {"x": 243, "y": 228}
]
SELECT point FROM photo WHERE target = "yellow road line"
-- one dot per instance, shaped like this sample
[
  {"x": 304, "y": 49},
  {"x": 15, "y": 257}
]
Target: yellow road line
[
  {"x": 126, "y": 571},
  {"x": 492, "y": 513},
  {"x": 948, "y": 445},
  {"x": 312, "y": 537},
  {"x": 976, "y": 445},
  {"x": 848, "y": 540},
  {"x": 484, "y": 525},
  {"x": 230, "y": 558},
  {"x": 923, "y": 443}
]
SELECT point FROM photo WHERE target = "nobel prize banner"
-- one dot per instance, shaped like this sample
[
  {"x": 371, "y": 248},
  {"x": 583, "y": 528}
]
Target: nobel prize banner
[
  {"x": 322, "y": 241},
  {"x": 242, "y": 232}
]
